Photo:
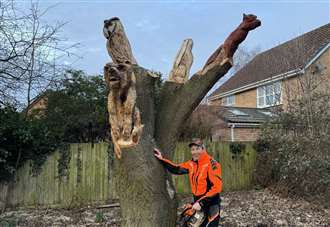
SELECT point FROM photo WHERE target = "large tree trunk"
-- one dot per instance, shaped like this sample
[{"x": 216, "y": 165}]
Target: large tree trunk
[
  {"x": 146, "y": 197},
  {"x": 145, "y": 190}
]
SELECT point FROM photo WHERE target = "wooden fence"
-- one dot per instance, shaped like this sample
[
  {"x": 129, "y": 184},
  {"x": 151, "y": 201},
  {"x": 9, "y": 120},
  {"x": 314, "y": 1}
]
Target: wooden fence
[
  {"x": 237, "y": 169},
  {"x": 85, "y": 179},
  {"x": 86, "y": 176}
]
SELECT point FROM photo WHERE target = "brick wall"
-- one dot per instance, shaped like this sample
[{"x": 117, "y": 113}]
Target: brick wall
[
  {"x": 246, "y": 99},
  {"x": 246, "y": 134},
  {"x": 221, "y": 132},
  {"x": 215, "y": 102},
  {"x": 243, "y": 99},
  {"x": 292, "y": 87}
]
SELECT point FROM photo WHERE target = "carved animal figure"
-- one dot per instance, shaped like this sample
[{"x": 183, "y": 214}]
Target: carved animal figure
[
  {"x": 182, "y": 63},
  {"x": 250, "y": 22},
  {"x": 124, "y": 116},
  {"x": 113, "y": 31},
  {"x": 226, "y": 51}
]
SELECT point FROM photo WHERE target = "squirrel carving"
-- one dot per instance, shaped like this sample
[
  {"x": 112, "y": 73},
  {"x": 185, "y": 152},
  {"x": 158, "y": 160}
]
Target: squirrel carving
[{"x": 226, "y": 51}]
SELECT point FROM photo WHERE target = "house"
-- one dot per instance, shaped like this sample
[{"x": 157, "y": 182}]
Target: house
[
  {"x": 38, "y": 104},
  {"x": 272, "y": 79},
  {"x": 239, "y": 123},
  {"x": 227, "y": 123}
]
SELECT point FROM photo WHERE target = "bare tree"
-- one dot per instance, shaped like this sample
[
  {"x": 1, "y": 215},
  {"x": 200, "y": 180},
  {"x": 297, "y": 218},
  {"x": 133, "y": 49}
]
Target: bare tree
[
  {"x": 243, "y": 56},
  {"x": 31, "y": 52}
]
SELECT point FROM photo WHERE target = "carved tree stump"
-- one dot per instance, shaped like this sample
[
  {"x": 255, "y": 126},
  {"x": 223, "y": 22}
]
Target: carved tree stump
[{"x": 146, "y": 192}]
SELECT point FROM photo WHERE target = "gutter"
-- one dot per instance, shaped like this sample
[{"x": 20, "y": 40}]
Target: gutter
[
  {"x": 317, "y": 56},
  {"x": 243, "y": 124}
]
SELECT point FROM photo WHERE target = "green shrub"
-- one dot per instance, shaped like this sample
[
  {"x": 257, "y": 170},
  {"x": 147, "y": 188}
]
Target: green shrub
[
  {"x": 298, "y": 145},
  {"x": 99, "y": 217},
  {"x": 236, "y": 148},
  {"x": 77, "y": 112},
  {"x": 22, "y": 139}
]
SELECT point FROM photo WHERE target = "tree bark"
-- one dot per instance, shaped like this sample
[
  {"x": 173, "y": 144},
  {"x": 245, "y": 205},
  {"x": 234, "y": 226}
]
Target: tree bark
[
  {"x": 178, "y": 101},
  {"x": 146, "y": 193},
  {"x": 145, "y": 196}
]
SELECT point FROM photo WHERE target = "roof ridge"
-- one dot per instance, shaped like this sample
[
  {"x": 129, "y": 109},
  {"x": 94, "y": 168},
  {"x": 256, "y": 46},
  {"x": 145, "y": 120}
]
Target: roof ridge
[{"x": 296, "y": 38}]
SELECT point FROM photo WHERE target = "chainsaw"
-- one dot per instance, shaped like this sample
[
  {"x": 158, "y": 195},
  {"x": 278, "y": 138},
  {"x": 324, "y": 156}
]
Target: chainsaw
[{"x": 190, "y": 217}]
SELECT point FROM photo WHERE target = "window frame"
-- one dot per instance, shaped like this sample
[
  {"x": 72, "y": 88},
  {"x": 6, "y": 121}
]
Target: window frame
[
  {"x": 275, "y": 92},
  {"x": 227, "y": 98}
]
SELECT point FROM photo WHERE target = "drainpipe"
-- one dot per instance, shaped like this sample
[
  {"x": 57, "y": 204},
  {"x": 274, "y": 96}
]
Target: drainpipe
[{"x": 232, "y": 132}]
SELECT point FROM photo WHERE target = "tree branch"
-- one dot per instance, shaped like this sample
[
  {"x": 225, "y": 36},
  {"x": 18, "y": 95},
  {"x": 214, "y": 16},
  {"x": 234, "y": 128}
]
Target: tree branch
[{"x": 179, "y": 101}]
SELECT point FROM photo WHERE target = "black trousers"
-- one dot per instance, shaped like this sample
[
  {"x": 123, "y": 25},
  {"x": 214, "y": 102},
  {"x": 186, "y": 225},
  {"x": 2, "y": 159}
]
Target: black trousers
[{"x": 212, "y": 216}]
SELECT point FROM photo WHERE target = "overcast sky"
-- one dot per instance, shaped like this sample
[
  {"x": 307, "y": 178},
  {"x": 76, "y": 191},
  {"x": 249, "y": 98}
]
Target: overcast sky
[{"x": 156, "y": 29}]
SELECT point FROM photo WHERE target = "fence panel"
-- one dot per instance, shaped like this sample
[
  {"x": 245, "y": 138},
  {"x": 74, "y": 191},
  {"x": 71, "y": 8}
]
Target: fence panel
[
  {"x": 86, "y": 178},
  {"x": 237, "y": 169}
]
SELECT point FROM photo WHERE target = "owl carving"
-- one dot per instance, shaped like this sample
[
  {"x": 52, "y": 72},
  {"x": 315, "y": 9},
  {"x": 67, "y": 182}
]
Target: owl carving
[{"x": 114, "y": 32}]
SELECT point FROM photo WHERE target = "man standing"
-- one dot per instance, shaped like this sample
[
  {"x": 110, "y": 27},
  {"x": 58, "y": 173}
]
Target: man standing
[{"x": 205, "y": 180}]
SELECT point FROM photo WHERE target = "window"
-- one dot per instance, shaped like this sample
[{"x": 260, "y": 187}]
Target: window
[
  {"x": 229, "y": 100},
  {"x": 269, "y": 95}
]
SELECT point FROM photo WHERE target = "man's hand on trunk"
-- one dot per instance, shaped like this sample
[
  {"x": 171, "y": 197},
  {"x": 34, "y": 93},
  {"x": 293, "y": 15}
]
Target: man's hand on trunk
[{"x": 158, "y": 154}]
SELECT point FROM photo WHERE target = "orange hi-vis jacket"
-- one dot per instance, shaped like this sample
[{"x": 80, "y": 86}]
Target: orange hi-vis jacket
[{"x": 204, "y": 176}]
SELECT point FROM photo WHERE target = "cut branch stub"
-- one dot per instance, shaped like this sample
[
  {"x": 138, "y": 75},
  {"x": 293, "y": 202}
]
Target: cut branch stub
[
  {"x": 124, "y": 116},
  {"x": 216, "y": 59},
  {"x": 182, "y": 63},
  {"x": 118, "y": 45}
]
